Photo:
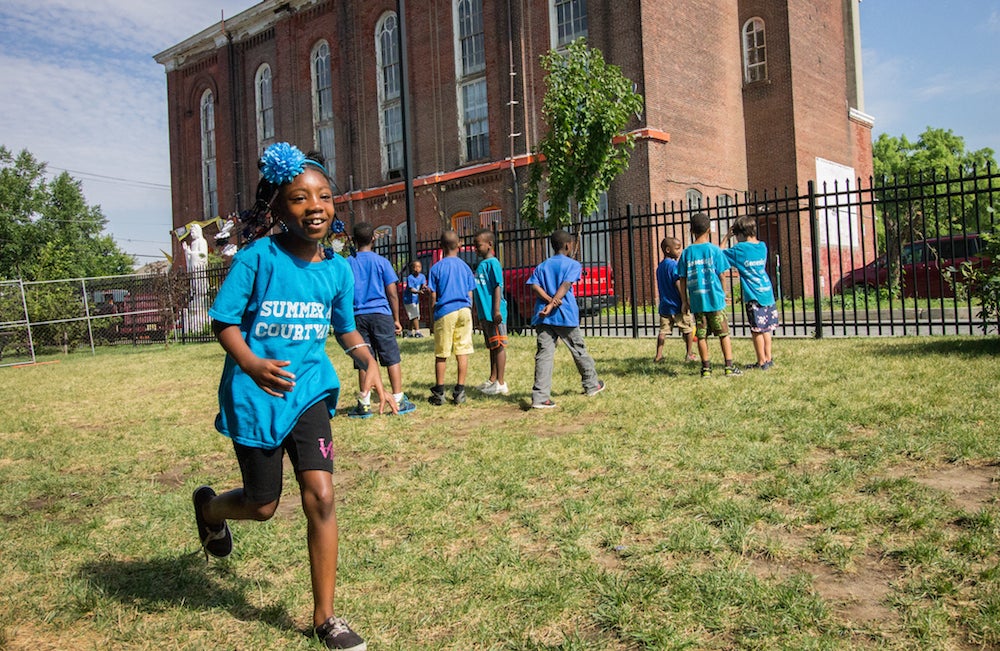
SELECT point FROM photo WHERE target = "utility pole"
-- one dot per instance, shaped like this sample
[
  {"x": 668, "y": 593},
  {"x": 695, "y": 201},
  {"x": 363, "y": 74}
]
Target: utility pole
[{"x": 404, "y": 101}]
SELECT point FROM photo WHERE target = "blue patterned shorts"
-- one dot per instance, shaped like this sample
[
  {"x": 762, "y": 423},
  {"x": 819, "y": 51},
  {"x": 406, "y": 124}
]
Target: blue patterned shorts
[{"x": 763, "y": 318}]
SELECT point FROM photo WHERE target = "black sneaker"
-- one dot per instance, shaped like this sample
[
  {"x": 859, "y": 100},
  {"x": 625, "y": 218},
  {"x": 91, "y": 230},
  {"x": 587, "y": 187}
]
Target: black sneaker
[
  {"x": 218, "y": 541},
  {"x": 360, "y": 410},
  {"x": 336, "y": 634},
  {"x": 437, "y": 397},
  {"x": 733, "y": 370},
  {"x": 706, "y": 371},
  {"x": 458, "y": 396}
]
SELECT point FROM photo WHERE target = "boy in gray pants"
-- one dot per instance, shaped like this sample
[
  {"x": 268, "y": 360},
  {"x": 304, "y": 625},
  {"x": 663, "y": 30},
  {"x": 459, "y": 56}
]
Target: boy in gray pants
[{"x": 557, "y": 316}]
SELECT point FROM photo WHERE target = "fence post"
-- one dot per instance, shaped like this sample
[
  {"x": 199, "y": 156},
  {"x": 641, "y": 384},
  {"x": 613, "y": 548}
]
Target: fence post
[
  {"x": 631, "y": 268},
  {"x": 814, "y": 242}
]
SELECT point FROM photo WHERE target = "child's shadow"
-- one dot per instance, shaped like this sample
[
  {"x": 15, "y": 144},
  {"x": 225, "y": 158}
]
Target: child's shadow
[{"x": 153, "y": 585}]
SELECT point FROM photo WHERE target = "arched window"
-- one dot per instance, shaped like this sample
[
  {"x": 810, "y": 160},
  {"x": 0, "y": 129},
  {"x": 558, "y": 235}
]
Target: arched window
[
  {"x": 322, "y": 94},
  {"x": 754, "y": 51},
  {"x": 462, "y": 223},
  {"x": 389, "y": 99},
  {"x": 727, "y": 213},
  {"x": 470, "y": 68},
  {"x": 265, "y": 107},
  {"x": 209, "y": 182},
  {"x": 693, "y": 199},
  {"x": 569, "y": 21}
]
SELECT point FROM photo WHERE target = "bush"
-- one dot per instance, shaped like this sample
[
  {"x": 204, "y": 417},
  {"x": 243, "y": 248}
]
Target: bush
[{"x": 981, "y": 280}]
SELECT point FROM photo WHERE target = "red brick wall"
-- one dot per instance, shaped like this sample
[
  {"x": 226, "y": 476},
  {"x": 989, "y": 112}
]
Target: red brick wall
[{"x": 685, "y": 57}]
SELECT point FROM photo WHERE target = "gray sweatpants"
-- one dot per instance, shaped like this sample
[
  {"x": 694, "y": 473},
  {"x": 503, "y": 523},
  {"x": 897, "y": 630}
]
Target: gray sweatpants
[{"x": 548, "y": 337}]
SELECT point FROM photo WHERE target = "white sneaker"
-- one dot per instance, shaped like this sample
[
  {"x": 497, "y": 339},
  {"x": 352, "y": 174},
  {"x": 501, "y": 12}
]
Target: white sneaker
[
  {"x": 497, "y": 389},
  {"x": 485, "y": 386}
]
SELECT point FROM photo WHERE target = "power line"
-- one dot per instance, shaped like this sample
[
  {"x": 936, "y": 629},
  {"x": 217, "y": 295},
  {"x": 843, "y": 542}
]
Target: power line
[{"x": 114, "y": 179}]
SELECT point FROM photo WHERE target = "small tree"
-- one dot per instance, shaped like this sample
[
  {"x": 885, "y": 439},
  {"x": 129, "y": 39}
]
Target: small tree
[{"x": 586, "y": 107}]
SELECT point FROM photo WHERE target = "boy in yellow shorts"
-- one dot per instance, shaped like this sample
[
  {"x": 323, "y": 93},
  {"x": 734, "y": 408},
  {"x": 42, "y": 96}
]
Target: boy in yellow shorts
[{"x": 451, "y": 283}]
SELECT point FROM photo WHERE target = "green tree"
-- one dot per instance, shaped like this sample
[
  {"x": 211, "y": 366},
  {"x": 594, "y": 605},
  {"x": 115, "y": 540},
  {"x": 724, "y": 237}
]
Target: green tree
[
  {"x": 47, "y": 230},
  {"x": 22, "y": 195},
  {"x": 929, "y": 188},
  {"x": 586, "y": 107}
]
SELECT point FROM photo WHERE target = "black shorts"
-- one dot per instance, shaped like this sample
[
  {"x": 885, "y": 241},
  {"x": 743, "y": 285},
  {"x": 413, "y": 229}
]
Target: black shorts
[
  {"x": 379, "y": 332},
  {"x": 309, "y": 446}
]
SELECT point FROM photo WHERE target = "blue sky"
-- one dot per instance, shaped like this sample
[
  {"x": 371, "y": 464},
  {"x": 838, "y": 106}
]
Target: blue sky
[{"x": 81, "y": 91}]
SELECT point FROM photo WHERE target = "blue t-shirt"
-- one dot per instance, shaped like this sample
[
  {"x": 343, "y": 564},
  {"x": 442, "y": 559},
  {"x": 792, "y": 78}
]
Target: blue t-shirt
[
  {"x": 284, "y": 307},
  {"x": 701, "y": 265},
  {"x": 666, "y": 285},
  {"x": 550, "y": 275},
  {"x": 750, "y": 259},
  {"x": 372, "y": 273},
  {"x": 413, "y": 285},
  {"x": 451, "y": 280},
  {"x": 489, "y": 276}
]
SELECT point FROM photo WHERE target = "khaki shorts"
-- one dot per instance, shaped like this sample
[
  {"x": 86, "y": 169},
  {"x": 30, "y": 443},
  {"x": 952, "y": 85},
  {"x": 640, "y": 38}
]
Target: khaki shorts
[
  {"x": 681, "y": 321},
  {"x": 453, "y": 334}
]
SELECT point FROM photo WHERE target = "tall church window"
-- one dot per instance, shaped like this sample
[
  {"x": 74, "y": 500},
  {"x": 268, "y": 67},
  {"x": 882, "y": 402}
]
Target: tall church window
[
  {"x": 389, "y": 95},
  {"x": 265, "y": 107},
  {"x": 754, "y": 51},
  {"x": 322, "y": 96},
  {"x": 209, "y": 180}
]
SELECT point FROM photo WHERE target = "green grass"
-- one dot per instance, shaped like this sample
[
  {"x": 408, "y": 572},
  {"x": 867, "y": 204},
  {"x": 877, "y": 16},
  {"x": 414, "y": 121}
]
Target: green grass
[{"x": 845, "y": 500}]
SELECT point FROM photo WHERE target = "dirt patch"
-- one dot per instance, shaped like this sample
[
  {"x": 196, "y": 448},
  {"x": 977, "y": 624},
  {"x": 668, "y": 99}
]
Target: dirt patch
[
  {"x": 969, "y": 487},
  {"x": 858, "y": 595}
]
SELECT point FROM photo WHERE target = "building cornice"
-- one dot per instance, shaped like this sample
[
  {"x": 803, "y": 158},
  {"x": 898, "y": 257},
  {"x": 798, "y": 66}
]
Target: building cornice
[{"x": 240, "y": 27}]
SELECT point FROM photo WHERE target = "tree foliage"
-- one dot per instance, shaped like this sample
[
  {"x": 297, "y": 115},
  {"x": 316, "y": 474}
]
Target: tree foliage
[
  {"x": 587, "y": 104},
  {"x": 47, "y": 230},
  {"x": 931, "y": 188}
]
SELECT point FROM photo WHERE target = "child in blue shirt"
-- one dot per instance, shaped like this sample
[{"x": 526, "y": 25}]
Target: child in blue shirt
[
  {"x": 557, "y": 316},
  {"x": 451, "y": 283},
  {"x": 416, "y": 285},
  {"x": 376, "y": 313},
  {"x": 749, "y": 257},
  {"x": 699, "y": 269},
  {"x": 668, "y": 287},
  {"x": 491, "y": 307},
  {"x": 278, "y": 388}
]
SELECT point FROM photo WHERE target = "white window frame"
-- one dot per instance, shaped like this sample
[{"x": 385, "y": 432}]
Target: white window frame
[
  {"x": 576, "y": 23},
  {"x": 321, "y": 75},
  {"x": 390, "y": 114},
  {"x": 264, "y": 96},
  {"x": 209, "y": 173},
  {"x": 694, "y": 199},
  {"x": 753, "y": 37}
]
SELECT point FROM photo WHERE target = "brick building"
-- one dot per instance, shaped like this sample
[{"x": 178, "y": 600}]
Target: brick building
[{"x": 739, "y": 96}]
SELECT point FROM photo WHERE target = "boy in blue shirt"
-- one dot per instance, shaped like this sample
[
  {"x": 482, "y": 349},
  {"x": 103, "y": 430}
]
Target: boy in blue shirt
[
  {"x": 376, "y": 313},
  {"x": 749, "y": 256},
  {"x": 668, "y": 287},
  {"x": 491, "y": 306},
  {"x": 699, "y": 269},
  {"x": 416, "y": 284},
  {"x": 451, "y": 283},
  {"x": 557, "y": 316}
]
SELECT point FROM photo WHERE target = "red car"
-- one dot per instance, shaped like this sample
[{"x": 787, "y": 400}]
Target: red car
[
  {"x": 594, "y": 291},
  {"x": 924, "y": 267}
]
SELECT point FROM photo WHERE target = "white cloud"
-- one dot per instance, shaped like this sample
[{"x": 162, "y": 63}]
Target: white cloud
[{"x": 81, "y": 92}]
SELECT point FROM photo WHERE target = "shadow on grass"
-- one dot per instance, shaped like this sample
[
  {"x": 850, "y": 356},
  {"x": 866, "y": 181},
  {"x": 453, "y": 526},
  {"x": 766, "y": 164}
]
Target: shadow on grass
[
  {"x": 153, "y": 585},
  {"x": 967, "y": 348}
]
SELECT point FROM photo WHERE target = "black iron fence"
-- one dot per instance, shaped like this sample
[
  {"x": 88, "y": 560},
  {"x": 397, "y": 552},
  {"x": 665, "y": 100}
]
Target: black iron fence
[{"x": 875, "y": 259}]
